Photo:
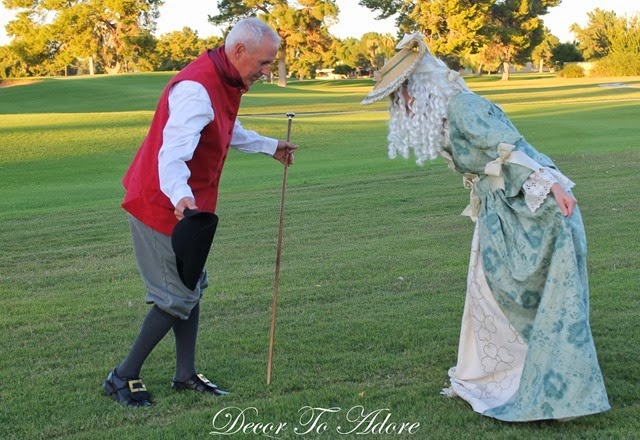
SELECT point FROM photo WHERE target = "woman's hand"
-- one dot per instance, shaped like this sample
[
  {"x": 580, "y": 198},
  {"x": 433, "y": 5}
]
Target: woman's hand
[{"x": 565, "y": 201}]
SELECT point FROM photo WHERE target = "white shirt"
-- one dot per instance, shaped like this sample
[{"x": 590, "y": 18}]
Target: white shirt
[{"x": 190, "y": 111}]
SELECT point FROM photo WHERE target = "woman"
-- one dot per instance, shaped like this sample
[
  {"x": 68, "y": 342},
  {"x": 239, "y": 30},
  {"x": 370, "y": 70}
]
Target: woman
[{"x": 525, "y": 351}]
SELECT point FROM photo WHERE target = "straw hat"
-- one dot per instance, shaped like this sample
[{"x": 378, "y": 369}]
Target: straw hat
[{"x": 397, "y": 69}]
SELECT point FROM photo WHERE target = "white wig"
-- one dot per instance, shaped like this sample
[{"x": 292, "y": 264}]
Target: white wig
[{"x": 423, "y": 128}]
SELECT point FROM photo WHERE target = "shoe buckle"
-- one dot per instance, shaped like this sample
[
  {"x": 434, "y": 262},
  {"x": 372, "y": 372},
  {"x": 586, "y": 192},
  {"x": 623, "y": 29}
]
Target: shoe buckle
[
  {"x": 205, "y": 380},
  {"x": 135, "y": 386}
]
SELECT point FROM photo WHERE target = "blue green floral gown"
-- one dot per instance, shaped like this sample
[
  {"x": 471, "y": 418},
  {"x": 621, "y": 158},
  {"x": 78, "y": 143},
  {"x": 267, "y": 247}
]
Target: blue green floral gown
[{"x": 526, "y": 351}]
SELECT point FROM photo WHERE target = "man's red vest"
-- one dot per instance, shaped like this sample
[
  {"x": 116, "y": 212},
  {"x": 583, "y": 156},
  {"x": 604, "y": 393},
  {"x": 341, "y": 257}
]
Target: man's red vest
[{"x": 144, "y": 199}]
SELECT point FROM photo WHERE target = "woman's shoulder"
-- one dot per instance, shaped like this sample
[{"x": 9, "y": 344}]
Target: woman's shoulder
[
  {"x": 467, "y": 105},
  {"x": 467, "y": 100}
]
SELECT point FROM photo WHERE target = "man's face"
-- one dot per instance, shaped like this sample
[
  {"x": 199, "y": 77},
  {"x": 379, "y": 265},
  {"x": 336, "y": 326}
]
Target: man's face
[{"x": 254, "y": 62}]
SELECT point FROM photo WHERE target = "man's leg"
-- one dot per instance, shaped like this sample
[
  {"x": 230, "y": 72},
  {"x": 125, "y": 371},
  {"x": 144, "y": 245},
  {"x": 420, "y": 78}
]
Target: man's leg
[
  {"x": 186, "y": 378},
  {"x": 155, "y": 326},
  {"x": 186, "y": 333},
  {"x": 124, "y": 384}
]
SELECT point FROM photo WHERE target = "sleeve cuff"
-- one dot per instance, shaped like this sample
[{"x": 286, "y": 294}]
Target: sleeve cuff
[
  {"x": 538, "y": 186},
  {"x": 180, "y": 194}
]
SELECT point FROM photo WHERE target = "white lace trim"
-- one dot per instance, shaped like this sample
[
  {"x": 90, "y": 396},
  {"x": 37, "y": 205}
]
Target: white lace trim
[
  {"x": 448, "y": 392},
  {"x": 538, "y": 186},
  {"x": 563, "y": 180}
]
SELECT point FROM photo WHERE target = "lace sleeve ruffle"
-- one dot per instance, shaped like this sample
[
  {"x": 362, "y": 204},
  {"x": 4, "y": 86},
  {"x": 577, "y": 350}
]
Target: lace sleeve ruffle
[{"x": 538, "y": 186}]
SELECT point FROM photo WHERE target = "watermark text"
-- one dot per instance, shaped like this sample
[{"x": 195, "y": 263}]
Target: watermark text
[{"x": 312, "y": 421}]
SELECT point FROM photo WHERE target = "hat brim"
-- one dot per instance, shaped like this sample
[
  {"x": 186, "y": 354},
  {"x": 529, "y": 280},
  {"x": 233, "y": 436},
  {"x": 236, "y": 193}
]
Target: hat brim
[
  {"x": 191, "y": 241},
  {"x": 393, "y": 73}
]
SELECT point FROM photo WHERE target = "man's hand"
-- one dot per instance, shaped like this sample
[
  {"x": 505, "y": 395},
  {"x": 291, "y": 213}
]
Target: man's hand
[
  {"x": 284, "y": 152},
  {"x": 184, "y": 203},
  {"x": 565, "y": 201}
]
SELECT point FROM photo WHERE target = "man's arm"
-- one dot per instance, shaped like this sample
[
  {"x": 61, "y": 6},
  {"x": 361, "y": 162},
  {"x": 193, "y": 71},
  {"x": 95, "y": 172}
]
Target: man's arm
[{"x": 189, "y": 112}]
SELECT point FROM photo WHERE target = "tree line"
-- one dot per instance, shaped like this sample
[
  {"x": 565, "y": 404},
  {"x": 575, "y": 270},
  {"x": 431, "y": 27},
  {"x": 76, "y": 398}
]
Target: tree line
[{"x": 65, "y": 37}]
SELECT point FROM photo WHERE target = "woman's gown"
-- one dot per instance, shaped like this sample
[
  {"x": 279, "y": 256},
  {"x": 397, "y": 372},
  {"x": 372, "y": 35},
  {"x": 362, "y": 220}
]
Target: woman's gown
[{"x": 526, "y": 350}]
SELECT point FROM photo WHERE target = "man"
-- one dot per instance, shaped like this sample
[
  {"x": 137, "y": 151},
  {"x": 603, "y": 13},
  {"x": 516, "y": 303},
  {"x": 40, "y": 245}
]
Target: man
[{"x": 178, "y": 167}]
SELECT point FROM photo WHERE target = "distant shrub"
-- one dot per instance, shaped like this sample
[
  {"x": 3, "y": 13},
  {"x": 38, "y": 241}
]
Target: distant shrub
[
  {"x": 571, "y": 71},
  {"x": 617, "y": 64},
  {"x": 343, "y": 69}
]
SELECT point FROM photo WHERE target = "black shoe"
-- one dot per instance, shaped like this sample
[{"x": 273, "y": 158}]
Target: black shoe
[
  {"x": 198, "y": 383},
  {"x": 131, "y": 392}
]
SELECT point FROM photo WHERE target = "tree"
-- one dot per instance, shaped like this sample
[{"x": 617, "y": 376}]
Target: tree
[
  {"x": 310, "y": 35},
  {"x": 352, "y": 52},
  {"x": 362, "y": 55},
  {"x": 612, "y": 41},
  {"x": 401, "y": 9},
  {"x": 116, "y": 34},
  {"x": 462, "y": 27},
  {"x": 543, "y": 53},
  {"x": 302, "y": 26},
  {"x": 177, "y": 49},
  {"x": 625, "y": 36},
  {"x": 346, "y": 51},
  {"x": 377, "y": 48},
  {"x": 604, "y": 32},
  {"x": 593, "y": 39},
  {"x": 11, "y": 66},
  {"x": 212, "y": 42},
  {"x": 32, "y": 46},
  {"x": 486, "y": 58},
  {"x": 565, "y": 53},
  {"x": 516, "y": 24},
  {"x": 451, "y": 27}
]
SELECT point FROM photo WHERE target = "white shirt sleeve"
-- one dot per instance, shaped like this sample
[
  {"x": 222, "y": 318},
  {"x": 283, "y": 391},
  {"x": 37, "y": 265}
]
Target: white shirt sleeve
[
  {"x": 190, "y": 111},
  {"x": 249, "y": 141}
]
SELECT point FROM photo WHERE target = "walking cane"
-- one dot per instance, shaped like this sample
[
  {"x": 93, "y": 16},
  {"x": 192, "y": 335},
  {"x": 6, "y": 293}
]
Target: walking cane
[{"x": 272, "y": 333}]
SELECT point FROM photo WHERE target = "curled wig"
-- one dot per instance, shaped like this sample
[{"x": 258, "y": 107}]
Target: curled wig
[{"x": 421, "y": 124}]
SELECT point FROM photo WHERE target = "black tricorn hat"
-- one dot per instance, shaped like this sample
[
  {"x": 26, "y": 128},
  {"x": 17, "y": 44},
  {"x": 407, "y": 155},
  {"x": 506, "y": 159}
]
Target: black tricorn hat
[{"x": 191, "y": 241}]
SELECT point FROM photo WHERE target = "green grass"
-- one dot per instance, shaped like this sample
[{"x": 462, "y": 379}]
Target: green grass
[{"x": 373, "y": 262}]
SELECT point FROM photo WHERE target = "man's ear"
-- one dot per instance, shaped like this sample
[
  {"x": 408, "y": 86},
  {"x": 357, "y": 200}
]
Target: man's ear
[{"x": 238, "y": 50}]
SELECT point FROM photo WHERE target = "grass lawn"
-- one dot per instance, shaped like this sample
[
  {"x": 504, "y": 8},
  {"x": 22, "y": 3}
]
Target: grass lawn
[{"x": 373, "y": 273}]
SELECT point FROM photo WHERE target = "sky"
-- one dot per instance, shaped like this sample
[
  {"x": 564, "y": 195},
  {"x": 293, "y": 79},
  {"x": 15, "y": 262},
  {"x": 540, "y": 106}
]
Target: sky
[{"x": 355, "y": 20}]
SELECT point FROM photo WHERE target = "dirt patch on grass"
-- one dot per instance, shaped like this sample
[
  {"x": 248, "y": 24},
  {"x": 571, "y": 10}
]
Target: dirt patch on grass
[{"x": 17, "y": 82}]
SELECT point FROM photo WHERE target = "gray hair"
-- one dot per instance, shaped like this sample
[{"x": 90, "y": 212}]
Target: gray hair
[{"x": 251, "y": 32}]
